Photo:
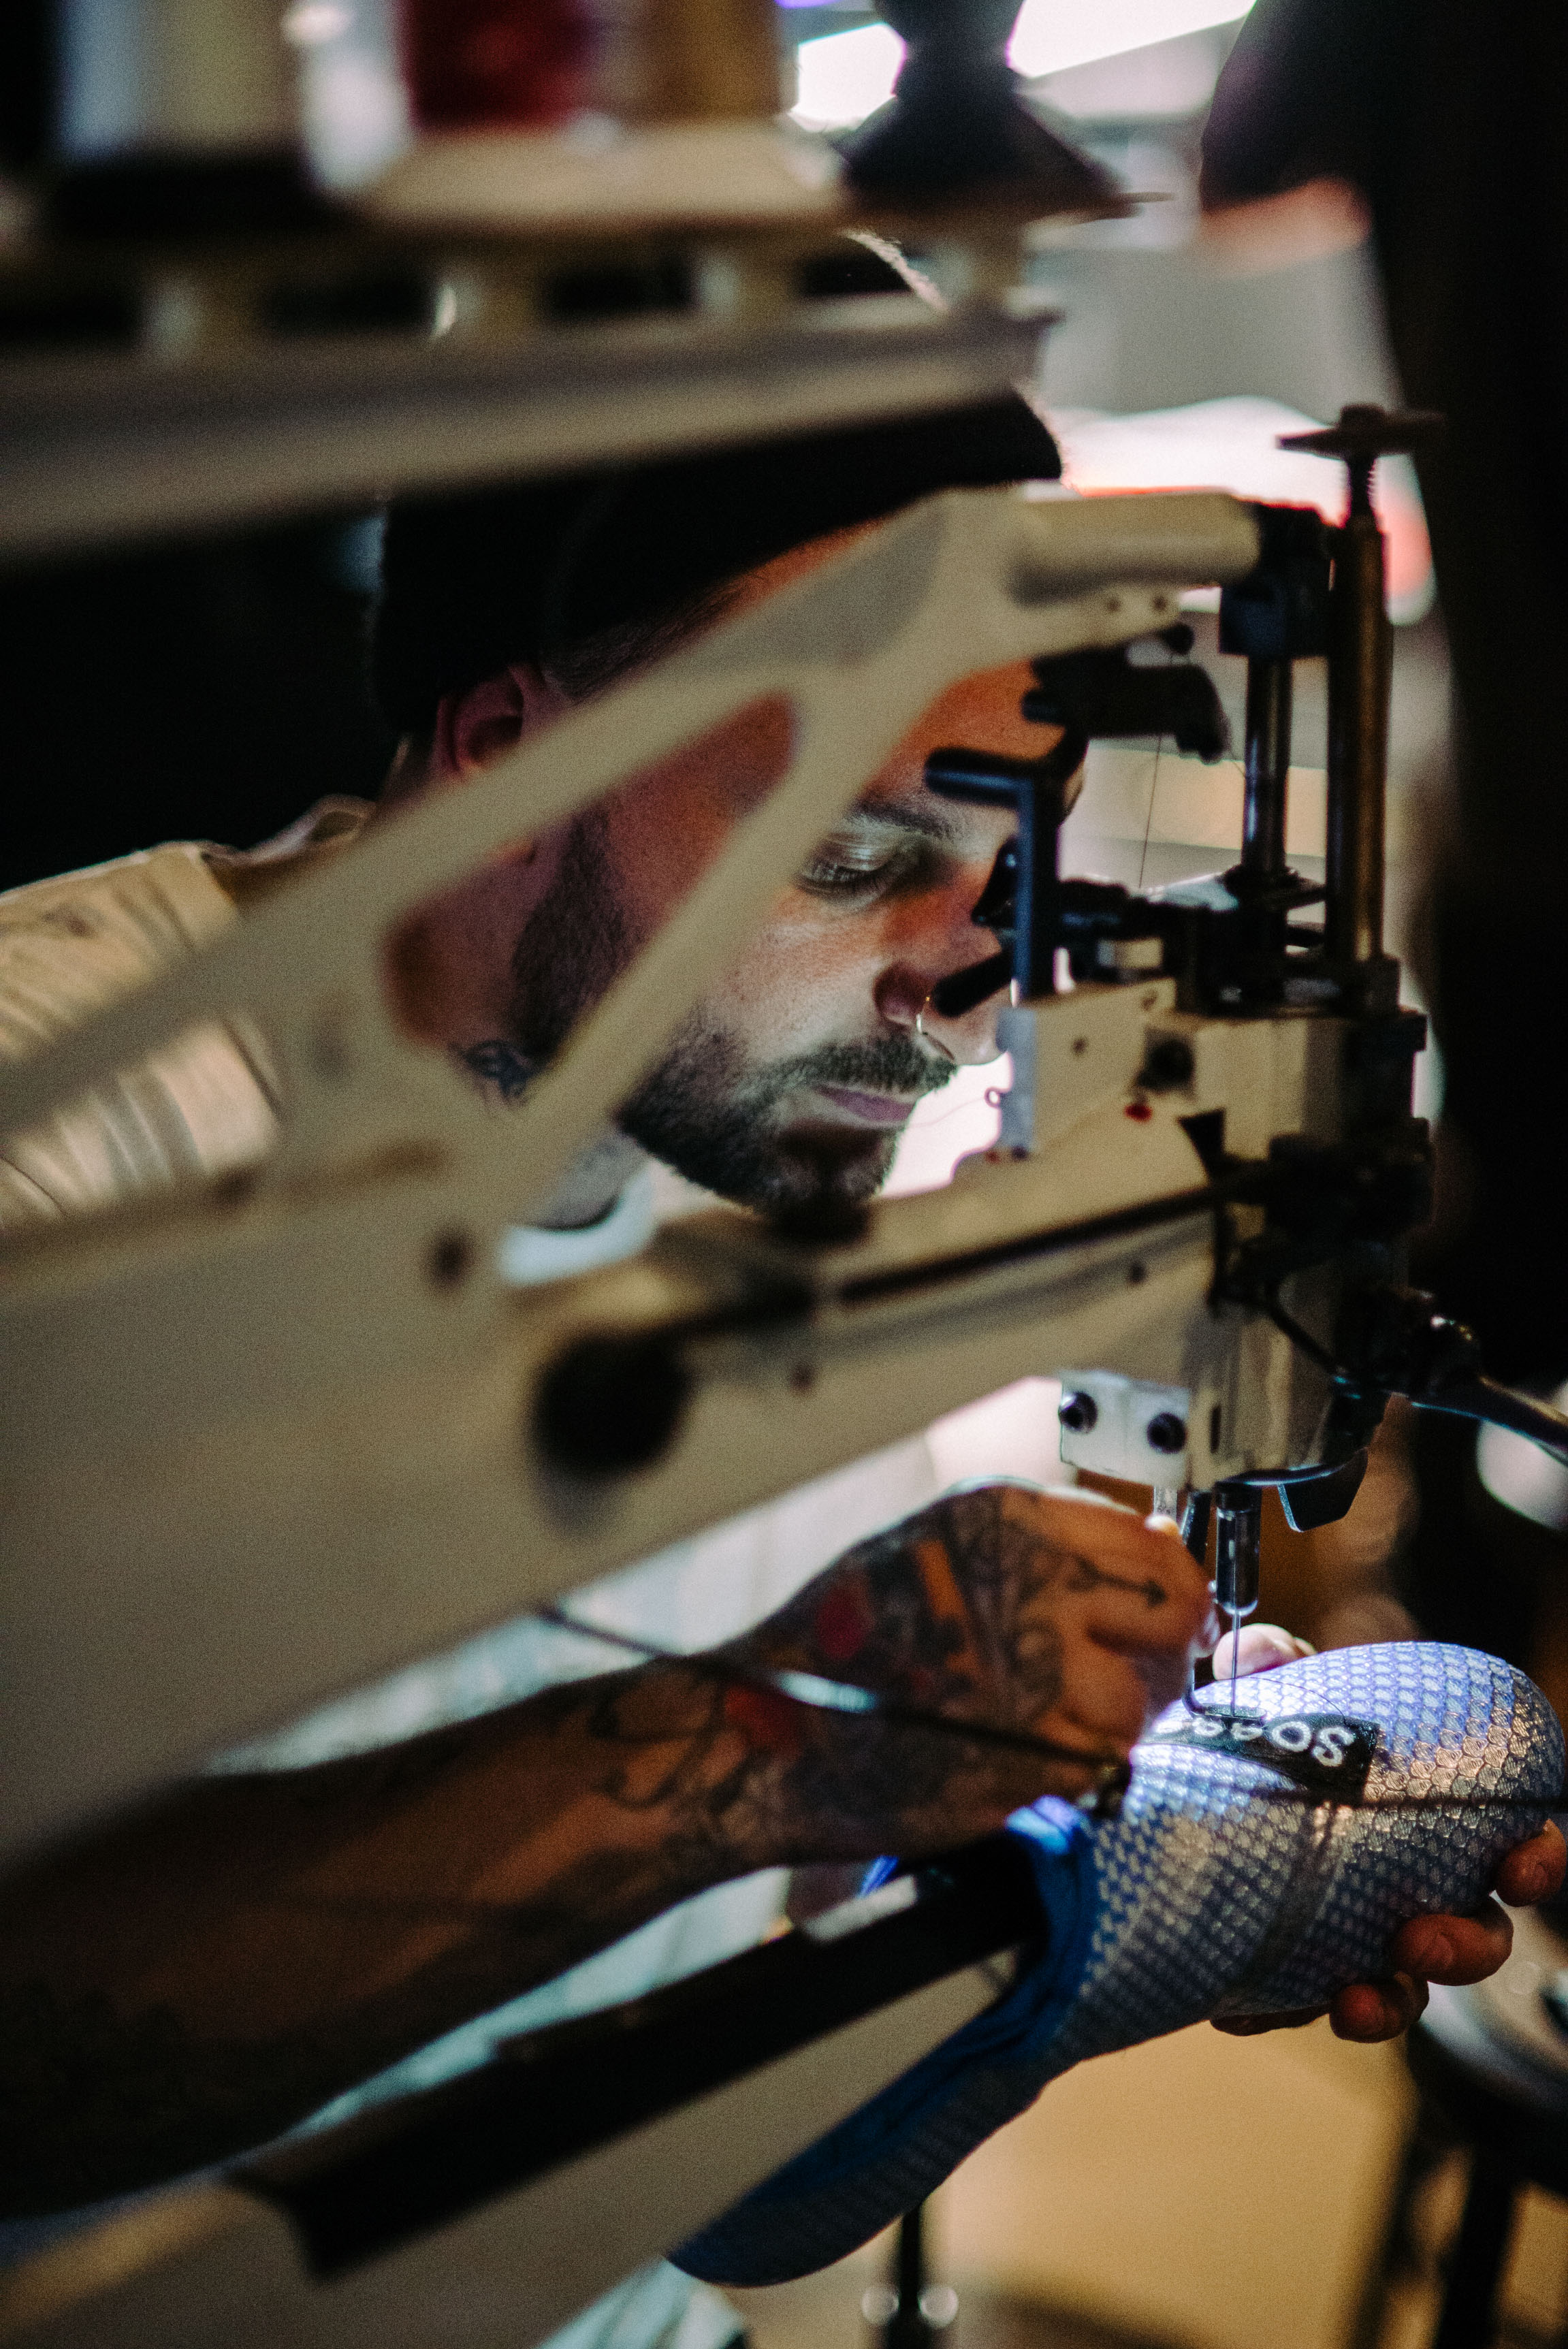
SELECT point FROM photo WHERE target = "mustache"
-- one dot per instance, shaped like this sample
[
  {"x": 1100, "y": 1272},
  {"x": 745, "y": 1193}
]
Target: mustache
[{"x": 893, "y": 1064}]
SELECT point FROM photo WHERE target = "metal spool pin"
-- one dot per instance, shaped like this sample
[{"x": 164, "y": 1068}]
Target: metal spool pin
[{"x": 1268, "y": 723}]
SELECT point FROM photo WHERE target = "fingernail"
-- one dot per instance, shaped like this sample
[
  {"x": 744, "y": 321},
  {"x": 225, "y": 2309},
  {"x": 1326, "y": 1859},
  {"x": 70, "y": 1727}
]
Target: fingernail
[
  {"x": 1437, "y": 1953},
  {"x": 1532, "y": 1885}
]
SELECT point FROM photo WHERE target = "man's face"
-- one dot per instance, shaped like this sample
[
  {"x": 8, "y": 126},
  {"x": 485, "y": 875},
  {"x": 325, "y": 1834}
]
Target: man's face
[{"x": 789, "y": 1085}]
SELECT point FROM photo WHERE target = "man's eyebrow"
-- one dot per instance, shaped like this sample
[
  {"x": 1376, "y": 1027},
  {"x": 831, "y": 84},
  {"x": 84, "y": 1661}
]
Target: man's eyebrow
[{"x": 931, "y": 822}]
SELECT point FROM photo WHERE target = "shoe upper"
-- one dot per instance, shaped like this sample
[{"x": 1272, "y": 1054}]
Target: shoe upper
[
  {"x": 1228, "y": 1886},
  {"x": 1263, "y": 1858}
]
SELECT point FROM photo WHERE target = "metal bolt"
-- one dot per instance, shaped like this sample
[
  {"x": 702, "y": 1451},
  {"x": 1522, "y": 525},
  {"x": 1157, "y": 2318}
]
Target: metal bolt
[
  {"x": 1078, "y": 1413},
  {"x": 1166, "y": 1433}
]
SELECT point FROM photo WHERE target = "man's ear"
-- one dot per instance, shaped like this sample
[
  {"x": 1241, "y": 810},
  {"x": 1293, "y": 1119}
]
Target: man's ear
[{"x": 475, "y": 728}]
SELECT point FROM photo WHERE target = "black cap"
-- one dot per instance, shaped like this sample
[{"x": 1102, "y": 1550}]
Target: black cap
[{"x": 471, "y": 583}]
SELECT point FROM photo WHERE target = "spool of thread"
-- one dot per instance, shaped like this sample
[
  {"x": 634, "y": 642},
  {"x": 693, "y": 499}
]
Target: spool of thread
[
  {"x": 690, "y": 61},
  {"x": 173, "y": 77},
  {"x": 486, "y": 65}
]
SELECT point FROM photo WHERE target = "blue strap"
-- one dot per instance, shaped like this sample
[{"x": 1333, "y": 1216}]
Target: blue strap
[{"x": 1017, "y": 2030}]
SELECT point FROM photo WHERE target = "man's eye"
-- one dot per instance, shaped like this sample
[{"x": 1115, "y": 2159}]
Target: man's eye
[
  {"x": 828, "y": 877},
  {"x": 846, "y": 872}
]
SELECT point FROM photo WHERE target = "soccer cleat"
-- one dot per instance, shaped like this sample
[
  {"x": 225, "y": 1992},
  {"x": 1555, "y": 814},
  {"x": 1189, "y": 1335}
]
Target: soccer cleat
[{"x": 1263, "y": 1859}]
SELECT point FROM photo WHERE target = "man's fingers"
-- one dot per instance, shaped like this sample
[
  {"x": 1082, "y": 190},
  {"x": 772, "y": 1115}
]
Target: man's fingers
[
  {"x": 1144, "y": 1564},
  {"x": 1104, "y": 1700},
  {"x": 1145, "y": 1594},
  {"x": 1261, "y": 1648},
  {"x": 1455, "y": 1950},
  {"x": 1533, "y": 1870},
  {"x": 1368, "y": 2011},
  {"x": 1121, "y": 1588}
]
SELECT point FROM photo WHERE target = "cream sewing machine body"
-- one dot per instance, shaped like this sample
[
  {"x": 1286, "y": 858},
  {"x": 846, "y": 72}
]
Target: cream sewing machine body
[{"x": 263, "y": 1444}]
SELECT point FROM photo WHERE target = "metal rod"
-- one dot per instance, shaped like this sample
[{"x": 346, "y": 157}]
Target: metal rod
[
  {"x": 1267, "y": 765},
  {"x": 1360, "y": 664},
  {"x": 1476, "y": 2262},
  {"x": 907, "y": 2326}
]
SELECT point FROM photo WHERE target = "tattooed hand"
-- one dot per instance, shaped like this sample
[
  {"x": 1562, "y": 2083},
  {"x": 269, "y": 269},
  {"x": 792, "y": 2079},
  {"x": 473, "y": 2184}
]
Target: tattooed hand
[{"x": 1026, "y": 1611}]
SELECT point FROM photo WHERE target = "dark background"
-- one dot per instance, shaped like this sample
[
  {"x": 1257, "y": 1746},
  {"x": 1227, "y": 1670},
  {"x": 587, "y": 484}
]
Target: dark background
[{"x": 210, "y": 691}]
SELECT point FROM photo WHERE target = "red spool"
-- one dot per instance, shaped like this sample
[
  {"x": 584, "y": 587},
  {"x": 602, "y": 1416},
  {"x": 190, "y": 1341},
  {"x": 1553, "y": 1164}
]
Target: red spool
[{"x": 482, "y": 65}]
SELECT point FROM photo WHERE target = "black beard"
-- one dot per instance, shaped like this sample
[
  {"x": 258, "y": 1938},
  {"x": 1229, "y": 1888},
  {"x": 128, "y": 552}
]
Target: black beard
[
  {"x": 698, "y": 1110},
  {"x": 573, "y": 948},
  {"x": 713, "y": 1126}
]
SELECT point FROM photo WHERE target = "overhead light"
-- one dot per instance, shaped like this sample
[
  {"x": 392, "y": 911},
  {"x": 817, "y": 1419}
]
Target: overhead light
[
  {"x": 1051, "y": 35},
  {"x": 1234, "y": 444},
  {"x": 844, "y": 77}
]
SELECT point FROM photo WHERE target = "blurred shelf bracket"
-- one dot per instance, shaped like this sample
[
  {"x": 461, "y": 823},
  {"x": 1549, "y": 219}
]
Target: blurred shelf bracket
[{"x": 142, "y": 394}]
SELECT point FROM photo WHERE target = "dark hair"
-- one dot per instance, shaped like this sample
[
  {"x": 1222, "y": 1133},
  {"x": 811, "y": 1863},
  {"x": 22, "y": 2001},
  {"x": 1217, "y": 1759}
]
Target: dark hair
[
  {"x": 590, "y": 574},
  {"x": 587, "y": 664}
]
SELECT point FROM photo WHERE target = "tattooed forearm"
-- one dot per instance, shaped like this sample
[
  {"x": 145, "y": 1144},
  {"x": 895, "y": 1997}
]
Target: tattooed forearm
[
  {"x": 278, "y": 1939},
  {"x": 981, "y": 1610},
  {"x": 185, "y": 1983}
]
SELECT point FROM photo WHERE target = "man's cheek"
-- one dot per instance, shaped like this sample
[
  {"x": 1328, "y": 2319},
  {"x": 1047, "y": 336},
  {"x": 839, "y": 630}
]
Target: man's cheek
[
  {"x": 658, "y": 854},
  {"x": 799, "y": 987}
]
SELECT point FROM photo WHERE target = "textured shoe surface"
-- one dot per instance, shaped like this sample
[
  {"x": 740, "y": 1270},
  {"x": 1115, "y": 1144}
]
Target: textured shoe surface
[
  {"x": 1263, "y": 1859},
  {"x": 1228, "y": 1889}
]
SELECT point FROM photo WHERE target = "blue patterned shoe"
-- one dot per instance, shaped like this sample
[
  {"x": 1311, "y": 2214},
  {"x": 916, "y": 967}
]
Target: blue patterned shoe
[{"x": 1263, "y": 1861}]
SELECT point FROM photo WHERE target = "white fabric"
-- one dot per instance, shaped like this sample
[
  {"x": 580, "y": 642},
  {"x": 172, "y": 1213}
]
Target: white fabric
[
  {"x": 68, "y": 948},
  {"x": 529, "y": 1256}
]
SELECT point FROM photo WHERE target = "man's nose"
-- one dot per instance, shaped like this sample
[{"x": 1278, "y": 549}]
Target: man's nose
[{"x": 902, "y": 998}]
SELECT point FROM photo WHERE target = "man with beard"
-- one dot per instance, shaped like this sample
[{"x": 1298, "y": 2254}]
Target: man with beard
[{"x": 184, "y": 1983}]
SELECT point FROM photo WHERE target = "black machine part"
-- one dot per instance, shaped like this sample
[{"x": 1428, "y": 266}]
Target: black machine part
[
  {"x": 1276, "y": 616},
  {"x": 1026, "y": 904},
  {"x": 1238, "y": 1528},
  {"x": 393, "y": 2173},
  {"x": 1360, "y": 661},
  {"x": 1230, "y": 941},
  {"x": 959, "y": 125},
  {"x": 1389, "y": 1341},
  {"x": 1396, "y": 1341}
]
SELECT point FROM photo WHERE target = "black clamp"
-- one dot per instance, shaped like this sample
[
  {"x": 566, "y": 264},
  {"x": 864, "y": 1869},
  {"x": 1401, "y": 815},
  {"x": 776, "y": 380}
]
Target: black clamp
[
  {"x": 1279, "y": 612},
  {"x": 1091, "y": 696},
  {"x": 1102, "y": 695}
]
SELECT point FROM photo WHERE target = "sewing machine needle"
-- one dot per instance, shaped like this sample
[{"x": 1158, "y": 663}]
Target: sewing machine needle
[{"x": 1235, "y": 1653}]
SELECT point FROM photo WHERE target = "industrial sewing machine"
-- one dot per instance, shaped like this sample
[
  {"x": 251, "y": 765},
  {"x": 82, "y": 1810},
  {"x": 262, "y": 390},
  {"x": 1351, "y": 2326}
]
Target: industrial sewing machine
[
  {"x": 265, "y": 1442},
  {"x": 304, "y": 1387}
]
